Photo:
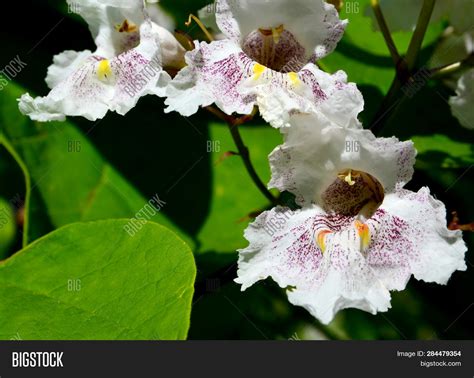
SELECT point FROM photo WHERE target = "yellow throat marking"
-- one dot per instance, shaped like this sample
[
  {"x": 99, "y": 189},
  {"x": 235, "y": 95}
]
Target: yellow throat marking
[
  {"x": 321, "y": 240},
  {"x": 364, "y": 233},
  {"x": 294, "y": 78},
  {"x": 258, "y": 70},
  {"x": 104, "y": 72}
]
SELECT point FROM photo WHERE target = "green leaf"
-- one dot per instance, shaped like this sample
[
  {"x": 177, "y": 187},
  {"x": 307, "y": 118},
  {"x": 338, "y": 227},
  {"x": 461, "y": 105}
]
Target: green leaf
[
  {"x": 70, "y": 180},
  {"x": 94, "y": 281},
  {"x": 7, "y": 227},
  {"x": 439, "y": 151},
  {"x": 13, "y": 196},
  {"x": 234, "y": 195}
]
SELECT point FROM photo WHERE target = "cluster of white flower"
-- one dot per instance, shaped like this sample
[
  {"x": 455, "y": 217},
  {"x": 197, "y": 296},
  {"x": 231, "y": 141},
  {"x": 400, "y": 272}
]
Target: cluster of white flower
[{"x": 358, "y": 233}]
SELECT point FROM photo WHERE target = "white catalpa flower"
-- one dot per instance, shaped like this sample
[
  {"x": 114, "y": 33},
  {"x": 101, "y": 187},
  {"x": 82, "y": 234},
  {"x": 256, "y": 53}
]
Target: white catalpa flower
[
  {"x": 461, "y": 105},
  {"x": 266, "y": 59},
  {"x": 359, "y": 234},
  {"x": 128, "y": 64}
]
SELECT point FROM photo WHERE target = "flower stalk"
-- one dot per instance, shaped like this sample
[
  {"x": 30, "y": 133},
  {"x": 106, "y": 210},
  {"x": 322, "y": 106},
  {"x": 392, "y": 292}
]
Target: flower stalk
[
  {"x": 419, "y": 34},
  {"x": 385, "y": 31}
]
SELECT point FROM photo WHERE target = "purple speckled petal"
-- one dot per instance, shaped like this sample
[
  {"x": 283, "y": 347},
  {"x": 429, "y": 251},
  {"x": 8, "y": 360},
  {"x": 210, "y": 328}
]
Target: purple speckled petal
[
  {"x": 413, "y": 239},
  {"x": 310, "y": 90},
  {"x": 213, "y": 74}
]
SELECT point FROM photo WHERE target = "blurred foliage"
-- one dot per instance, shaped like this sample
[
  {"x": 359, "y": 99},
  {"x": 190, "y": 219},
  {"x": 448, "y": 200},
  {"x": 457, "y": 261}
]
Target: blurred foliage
[
  {"x": 125, "y": 161},
  {"x": 364, "y": 56},
  {"x": 72, "y": 182}
]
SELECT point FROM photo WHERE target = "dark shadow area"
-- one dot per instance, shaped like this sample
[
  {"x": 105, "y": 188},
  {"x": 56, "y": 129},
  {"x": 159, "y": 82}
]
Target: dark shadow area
[{"x": 164, "y": 154}]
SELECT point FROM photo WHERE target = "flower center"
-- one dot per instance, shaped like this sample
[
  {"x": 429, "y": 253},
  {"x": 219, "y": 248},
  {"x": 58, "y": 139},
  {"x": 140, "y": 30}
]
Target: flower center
[
  {"x": 353, "y": 193},
  {"x": 126, "y": 36},
  {"x": 275, "y": 48}
]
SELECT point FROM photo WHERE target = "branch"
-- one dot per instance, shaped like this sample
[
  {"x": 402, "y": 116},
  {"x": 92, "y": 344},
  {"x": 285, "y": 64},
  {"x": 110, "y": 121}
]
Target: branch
[
  {"x": 405, "y": 66},
  {"x": 419, "y": 35},
  {"x": 244, "y": 153},
  {"x": 386, "y": 32}
]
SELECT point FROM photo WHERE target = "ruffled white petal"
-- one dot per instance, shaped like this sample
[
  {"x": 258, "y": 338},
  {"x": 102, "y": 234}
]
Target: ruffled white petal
[
  {"x": 279, "y": 96},
  {"x": 316, "y": 151},
  {"x": 314, "y": 23},
  {"x": 257, "y": 67},
  {"x": 64, "y": 65},
  {"x": 213, "y": 74},
  {"x": 172, "y": 52},
  {"x": 40, "y": 109},
  {"x": 461, "y": 105},
  {"x": 434, "y": 253}
]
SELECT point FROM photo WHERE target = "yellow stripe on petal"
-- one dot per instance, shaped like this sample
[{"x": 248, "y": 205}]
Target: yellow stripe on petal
[
  {"x": 294, "y": 78},
  {"x": 104, "y": 71},
  {"x": 258, "y": 70},
  {"x": 364, "y": 233},
  {"x": 321, "y": 240}
]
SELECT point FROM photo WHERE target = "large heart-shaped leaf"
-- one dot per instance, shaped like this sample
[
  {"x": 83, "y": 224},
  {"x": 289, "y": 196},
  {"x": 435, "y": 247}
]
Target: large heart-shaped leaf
[
  {"x": 7, "y": 227},
  {"x": 95, "y": 281},
  {"x": 12, "y": 201}
]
